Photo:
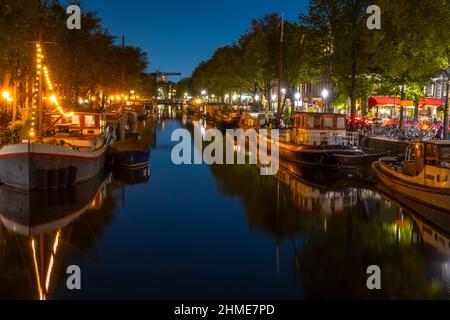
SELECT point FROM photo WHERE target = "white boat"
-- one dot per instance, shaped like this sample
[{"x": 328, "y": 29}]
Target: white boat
[
  {"x": 423, "y": 176},
  {"x": 59, "y": 160}
]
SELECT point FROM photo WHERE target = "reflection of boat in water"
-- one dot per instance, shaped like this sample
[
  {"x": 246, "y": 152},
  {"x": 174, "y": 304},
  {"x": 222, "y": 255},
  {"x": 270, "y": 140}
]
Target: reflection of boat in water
[
  {"x": 433, "y": 225},
  {"x": 132, "y": 176},
  {"x": 39, "y": 228},
  {"x": 325, "y": 192},
  {"x": 35, "y": 212},
  {"x": 424, "y": 174}
]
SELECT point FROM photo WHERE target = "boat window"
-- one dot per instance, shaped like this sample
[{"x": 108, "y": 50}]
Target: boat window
[
  {"x": 76, "y": 120},
  {"x": 54, "y": 118},
  {"x": 311, "y": 122},
  {"x": 340, "y": 123},
  {"x": 327, "y": 122},
  {"x": 89, "y": 121},
  {"x": 317, "y": 122}
]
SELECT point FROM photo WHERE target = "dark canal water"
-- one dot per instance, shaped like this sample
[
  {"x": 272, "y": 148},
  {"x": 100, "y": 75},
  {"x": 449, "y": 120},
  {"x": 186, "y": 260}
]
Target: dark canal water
[{"x": 220, "y": 232}]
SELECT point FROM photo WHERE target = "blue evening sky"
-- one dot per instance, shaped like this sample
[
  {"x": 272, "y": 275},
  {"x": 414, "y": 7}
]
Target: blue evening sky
[{"x": 178, "y": 34}]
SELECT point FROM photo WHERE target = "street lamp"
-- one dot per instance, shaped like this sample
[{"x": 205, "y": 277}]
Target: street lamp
[
  {"x": 203, "y": 92},
  {"x": 325, "y": 94},
  {"x": 5, "y": 95},
  {"x": 257, "y": 98},
  {"x": 283, "y": 91},
  {"x": 297, "y": 97}
]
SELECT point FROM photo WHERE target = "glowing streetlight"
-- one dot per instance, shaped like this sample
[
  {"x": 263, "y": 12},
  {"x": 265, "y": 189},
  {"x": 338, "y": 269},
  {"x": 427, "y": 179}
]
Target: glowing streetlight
[
  {"x": 325, "y": 94},
  {"x": 297, "y": 96},
  {"x": 257, "y": 97},
  {"x": 203, "y": 92},
  {"x": 53, "y": 99},
  {"x": 283, "y": 90},
  {"x": 5, "y": 95}
]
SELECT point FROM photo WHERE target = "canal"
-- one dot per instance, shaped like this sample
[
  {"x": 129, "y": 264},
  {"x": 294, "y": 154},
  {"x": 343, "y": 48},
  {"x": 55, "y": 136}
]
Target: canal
[{"x": 220, "y": 232}]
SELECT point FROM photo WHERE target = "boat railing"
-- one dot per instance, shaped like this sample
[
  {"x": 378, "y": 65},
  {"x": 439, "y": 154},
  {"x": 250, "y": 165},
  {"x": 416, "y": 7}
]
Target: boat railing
[{"x": 324, "y": 138}]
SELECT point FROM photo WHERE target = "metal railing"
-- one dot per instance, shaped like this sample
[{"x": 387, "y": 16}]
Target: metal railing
[{"x": 323, "y": 138}]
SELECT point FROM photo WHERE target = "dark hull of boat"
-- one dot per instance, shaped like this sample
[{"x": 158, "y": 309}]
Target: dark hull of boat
[
  {"x": 43, "y": 166},
  {"x": 359, "y": 159},
  {"x": 228, "y": 124},
  {"x": 433, "y": 197},
  {"x": 132, "y": 159},
  {"x": 319, "y": 156}
]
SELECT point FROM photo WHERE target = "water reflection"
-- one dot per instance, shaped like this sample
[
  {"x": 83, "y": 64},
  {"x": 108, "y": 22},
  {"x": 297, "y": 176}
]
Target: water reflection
[
  {"x": 337, "y": 226},
  {"x": 221, "y": 231},
  {"x": 39, "y": 229}
]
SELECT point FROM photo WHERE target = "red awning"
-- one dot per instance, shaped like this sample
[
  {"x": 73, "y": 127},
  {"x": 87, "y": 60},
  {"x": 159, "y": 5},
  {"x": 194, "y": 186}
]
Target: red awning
[
  {"x": 430, "y": 102},
  {"x": 383, "y": 101}
]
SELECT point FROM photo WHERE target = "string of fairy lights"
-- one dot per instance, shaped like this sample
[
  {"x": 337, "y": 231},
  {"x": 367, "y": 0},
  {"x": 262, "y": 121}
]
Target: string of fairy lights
[{"x": 42, "y": 69}]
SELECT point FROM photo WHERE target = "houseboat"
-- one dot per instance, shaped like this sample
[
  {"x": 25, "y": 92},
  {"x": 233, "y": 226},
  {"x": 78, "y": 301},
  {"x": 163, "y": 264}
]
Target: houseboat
[
  {"x": 71, "y": 150},
  {"x": 315, "y": 138},
  {"x": 422, "y": 175},
  {"x": 131, "y": 153},
  {"x": 253, "y": 120},
  {"x": 227, "y": 119}
]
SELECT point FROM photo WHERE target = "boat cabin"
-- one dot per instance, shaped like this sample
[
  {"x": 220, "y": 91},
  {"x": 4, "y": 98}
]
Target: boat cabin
[
  {"x": 321, "y": 129},
  {"x": 429, "y": 160},
  {"x": 86, "y": 123},
  {"x": 318, "y": 121}
]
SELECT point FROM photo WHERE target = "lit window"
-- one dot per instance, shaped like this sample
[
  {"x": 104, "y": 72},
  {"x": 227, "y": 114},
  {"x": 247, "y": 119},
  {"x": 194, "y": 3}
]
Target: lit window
[
  {"x": 340, "y": 124},
  {"x": 54, "y": 118},
  {"x": 89, "y": 121},
  {"x": 328, "y": 122},
  {"x": 76, "y": 120}
]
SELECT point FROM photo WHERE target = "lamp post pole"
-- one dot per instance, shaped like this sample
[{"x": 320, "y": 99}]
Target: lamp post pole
[{"x": 446, "y": 133}]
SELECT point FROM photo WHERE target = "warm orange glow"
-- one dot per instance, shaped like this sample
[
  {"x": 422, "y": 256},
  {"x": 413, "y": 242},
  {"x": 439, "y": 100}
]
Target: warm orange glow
[
  {"x": 5, "y": 94},
  {"x": 36, "y": 270}
]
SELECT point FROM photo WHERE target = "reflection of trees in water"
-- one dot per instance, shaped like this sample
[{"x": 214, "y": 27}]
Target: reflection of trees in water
[
  {"x": 332, "y": 261},
  {"x": 147, "y": 131},
  {"x": 18, "y": 276},
  {"x": 267, "y": 202},
  {"x": 333, "y": 264}
]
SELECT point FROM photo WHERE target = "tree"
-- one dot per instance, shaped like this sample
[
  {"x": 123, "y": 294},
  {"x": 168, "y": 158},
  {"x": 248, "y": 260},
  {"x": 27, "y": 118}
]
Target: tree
[
  {"x": 340, "y": 31},
  {"x": 410, "y": 46}
]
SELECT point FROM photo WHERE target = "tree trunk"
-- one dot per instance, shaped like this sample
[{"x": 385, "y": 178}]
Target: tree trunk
[
  {"x": 353, "y": 92},
  {"x": 255, "y": 92},
  {"x": 14, "y": 104},
  {"x": 364, "y": 106},
  {"x": 416, "y": 109},
  {"x": 446, "y": 131},
  {"x": 401, "y": 107}
]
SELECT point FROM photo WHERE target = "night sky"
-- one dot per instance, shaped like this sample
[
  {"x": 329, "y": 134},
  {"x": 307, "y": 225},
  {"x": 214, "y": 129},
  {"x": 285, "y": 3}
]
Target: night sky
[{"x": 178, "y": 34}]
